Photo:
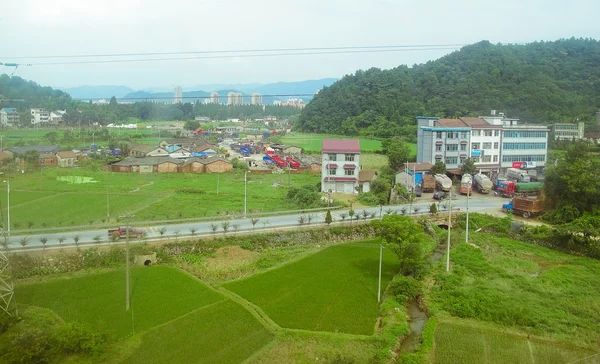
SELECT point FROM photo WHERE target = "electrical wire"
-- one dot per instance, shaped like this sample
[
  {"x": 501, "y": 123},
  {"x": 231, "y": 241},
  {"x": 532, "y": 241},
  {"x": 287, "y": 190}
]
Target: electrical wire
[
  {"x": 235, "y": 56},
  {"x": 236, "y": 51}
]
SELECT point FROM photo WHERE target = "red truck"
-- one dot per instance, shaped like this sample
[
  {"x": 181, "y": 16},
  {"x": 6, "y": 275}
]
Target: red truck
[{"x": 121, "y": 232}]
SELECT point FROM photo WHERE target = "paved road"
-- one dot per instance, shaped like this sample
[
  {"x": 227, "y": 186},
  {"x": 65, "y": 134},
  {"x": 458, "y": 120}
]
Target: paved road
[{"x": 476, "y": 204}]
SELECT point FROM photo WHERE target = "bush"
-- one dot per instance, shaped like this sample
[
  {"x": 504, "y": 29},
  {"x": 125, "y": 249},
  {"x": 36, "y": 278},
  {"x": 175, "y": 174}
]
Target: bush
[
  {"x": 74, "y": 338},
  {"x": 405, "y": 288},
  {"x": 191, "y": 190}
]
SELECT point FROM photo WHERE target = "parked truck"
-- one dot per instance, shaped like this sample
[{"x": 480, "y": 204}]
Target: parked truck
[
  {"x": 518, "y": 175},
  {"x": 428, "y": 183},
  {"x": 483, "y": 183},
  {"x": 466, "y": 184},
  {"x": 524, "y": 206},
  {"x": 121, "y": 232},
  {"x": 443, "y": 182}
]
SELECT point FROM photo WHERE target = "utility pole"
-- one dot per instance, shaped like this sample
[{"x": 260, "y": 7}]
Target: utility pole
[
  {"x": 127, "y": 290},
  {"x": 107, "y": 199},
  {"x": 7, "y": 301},
  {"x": 245, "y": 193},
  {"x": 467, "y": 229},
  {"x": 449, "y": 229},
  {"x": 380, "y": 264}
]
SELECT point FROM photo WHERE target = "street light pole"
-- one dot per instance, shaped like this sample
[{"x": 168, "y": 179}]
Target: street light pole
[
  {"x": 449, "y": 229},
  {"x": 380, "y": 263},
  {"x": 8, "y": 206},
  {"x": 468, "y": 194},
  {"x": 245, "y": 193},
  {"x": 127, "y": 290}
]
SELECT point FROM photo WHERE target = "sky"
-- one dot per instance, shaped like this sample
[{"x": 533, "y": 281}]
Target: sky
[{"x": 33, "y": 28}]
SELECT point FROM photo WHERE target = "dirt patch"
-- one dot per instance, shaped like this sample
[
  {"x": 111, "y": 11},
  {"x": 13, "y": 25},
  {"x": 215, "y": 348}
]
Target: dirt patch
[{"x": 231, "y": 256}]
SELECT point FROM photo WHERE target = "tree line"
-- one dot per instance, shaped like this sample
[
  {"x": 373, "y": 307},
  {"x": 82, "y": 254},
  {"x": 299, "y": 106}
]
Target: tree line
[
  {"x": 22, "y": 94},
  {"x": 539, "y": 82}
]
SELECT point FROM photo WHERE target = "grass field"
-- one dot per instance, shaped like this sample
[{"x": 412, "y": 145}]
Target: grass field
[
  {"x": 534, "y": 289},
  {"x": 312, "y": 142},
  {"x": 302, "y": 348},
  {"x": 459, "y": 343},
  {"x": 175, "y": 317},
  {"x": 45, "y": 200},
  {"x": 334, "y": 290},
  {"x": 99, "y": 299}
]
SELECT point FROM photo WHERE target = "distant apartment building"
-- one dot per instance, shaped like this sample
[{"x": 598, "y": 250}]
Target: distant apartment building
[
  {"x": 340, "y": 166},
  {"x": 293, "y": 102},
  {"x": 256, "y": 99},
  {"x": 178, "y": 95},
  {"x": 39, "y": 116},
  {"x": 9, "y": 117},
  {"x": 214, "y": 98},
  {"x": 568, "y": 131},
  {"x": 235, "y": 98},
  {"x": 494, "y": 142},
  {"x": 443, "y": 140}
]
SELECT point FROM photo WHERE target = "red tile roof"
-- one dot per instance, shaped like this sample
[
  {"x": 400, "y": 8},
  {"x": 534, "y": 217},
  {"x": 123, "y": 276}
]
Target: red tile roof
[
  {"x": 340, "y": 146},
  {"x": 478, "y": 123}
]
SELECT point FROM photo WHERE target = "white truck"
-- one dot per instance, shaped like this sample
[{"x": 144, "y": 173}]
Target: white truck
[
  {"x": 483, "y": 183},
  {"x": 443, "y": 182},
  {"x": 517, "y": 175}
]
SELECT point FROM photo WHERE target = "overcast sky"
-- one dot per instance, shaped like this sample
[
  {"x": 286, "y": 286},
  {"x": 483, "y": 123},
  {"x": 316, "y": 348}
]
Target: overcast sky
[{"x": 67, "y": 27}]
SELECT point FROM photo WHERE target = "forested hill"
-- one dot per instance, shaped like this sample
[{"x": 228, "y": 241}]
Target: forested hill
[
  {"x": 32, "y": 94},
  {"x": 538, "y": 82}
]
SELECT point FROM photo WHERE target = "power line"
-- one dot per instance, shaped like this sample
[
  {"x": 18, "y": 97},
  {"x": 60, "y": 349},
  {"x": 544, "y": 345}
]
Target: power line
[
  {"x": 237, "y": 51},
  {"x": 235, "y": 56},
  {"x": 208, "y": 97}
]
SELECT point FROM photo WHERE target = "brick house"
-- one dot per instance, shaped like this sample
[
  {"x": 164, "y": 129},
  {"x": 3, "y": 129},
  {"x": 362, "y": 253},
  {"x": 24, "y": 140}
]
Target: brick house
[
  {"x": 148, "y": 165},
  {"x": 66, "y": 158},
  {"x": 145, "y": 150},
  {"x": 340, "y": 165}
]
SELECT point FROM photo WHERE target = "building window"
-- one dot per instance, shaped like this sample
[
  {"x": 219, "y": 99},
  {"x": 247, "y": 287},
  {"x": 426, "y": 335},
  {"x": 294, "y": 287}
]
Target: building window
[
  {"x": 475, "y": 159},
  {"x": 523, "y": 158},
  {"x": 517, "y": 146},
  {"x": 451, "y": 160},
  {"x": 438, "y": 134},
  {"x": 487, "y": 158},
  {"x": 495, "y": 145},
  {"x": 349, "y": 172},
  {"x": 438, "y": 148},
  {"x": 488, "y": 133},
  {"x": 451, "y": 147},
  {"x": 332, "y": 157},
  {"x": 495, "y": 158},
  {"x": 463, "y": 147},
  {"x": 332, "y": 171},
  {"x": 349, "y": 157},
  {"x": 496, "y": 132},
  {"x": 476, "y": 132},
  {"x": 438, "y": 159},
  {"x": 462, "y": 160},
  {"x": 449, "y": 135},
  {"x": 525, "y": 134},
  {"x": 487, "y": 145},
  {"x": 463, "y": 135},
  {"x": 475, "y": 146}
]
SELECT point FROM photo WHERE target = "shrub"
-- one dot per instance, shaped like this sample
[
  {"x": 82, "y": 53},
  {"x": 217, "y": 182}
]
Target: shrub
[
  {"x": 191, "y": 190},
  {"x": 405, "y": 288}
]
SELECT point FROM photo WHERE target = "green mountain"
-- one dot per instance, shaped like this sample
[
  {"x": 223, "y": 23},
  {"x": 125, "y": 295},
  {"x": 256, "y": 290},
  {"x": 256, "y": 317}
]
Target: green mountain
[
  {"x": 539, "y": 82},
  {"x": 32, "y": 94}
]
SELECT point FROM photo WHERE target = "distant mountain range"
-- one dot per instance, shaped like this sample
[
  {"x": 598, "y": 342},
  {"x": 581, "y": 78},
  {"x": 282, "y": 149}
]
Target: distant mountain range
[{"x": 202, "y": 90}]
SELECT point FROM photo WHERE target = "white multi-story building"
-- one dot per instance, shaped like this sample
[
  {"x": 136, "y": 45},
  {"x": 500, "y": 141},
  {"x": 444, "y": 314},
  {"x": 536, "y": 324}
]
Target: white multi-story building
[
  {"x": 443, "y": 140},
  {"x": 214, "y": 98},
  {"x": 340, "y": 164},
  {"x": 9, "y": 116},
  {"x": 39, "y": 116},
  {"x": 56, "y": 117},
  {"x": 178, "y": 95},
  {"x": 524, "y": 144},
  {"x": 256, "y": 99},
  {"x": 568, "y": 131},
  {"x": 485, "y": 143}
]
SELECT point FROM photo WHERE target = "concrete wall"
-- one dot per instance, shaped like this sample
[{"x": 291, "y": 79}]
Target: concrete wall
[{"x": 218, "y": 167}]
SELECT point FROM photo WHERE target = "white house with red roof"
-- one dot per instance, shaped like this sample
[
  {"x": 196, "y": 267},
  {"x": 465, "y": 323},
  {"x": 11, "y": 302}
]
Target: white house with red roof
[{"x": 340, "y": 166}]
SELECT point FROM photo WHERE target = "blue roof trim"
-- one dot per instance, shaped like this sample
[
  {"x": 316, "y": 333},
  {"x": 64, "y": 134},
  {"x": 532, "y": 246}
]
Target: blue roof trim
[
  {"x": 428, "y": 117},
  {"x": 444, "y": 129}
]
